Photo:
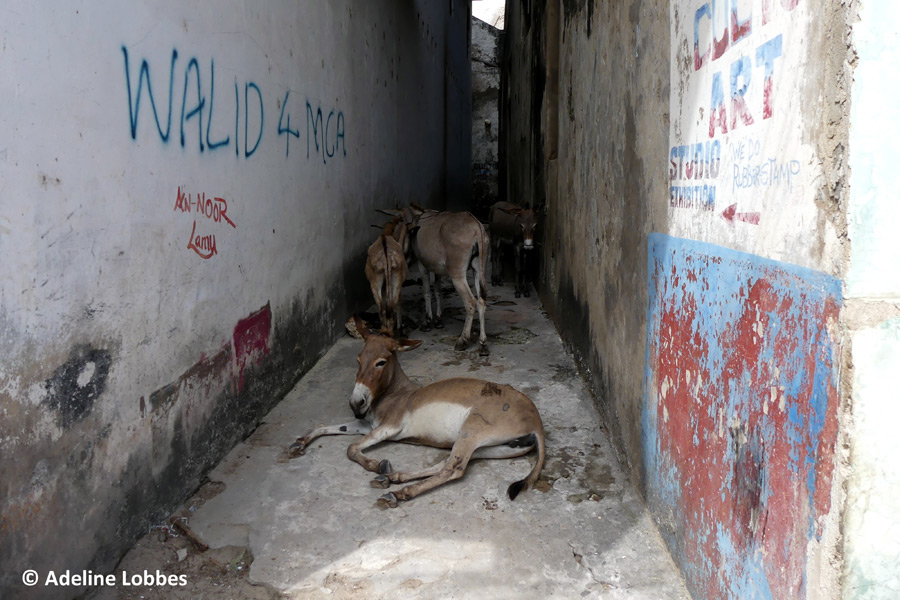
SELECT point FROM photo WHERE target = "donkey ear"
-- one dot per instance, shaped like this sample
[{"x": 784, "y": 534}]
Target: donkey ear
[
  {"x": 361, "y": 327},
  {"x": 389, "y": 212},
  {"x": 415, "y": 210},
  {"x": 404, "y": 345}
]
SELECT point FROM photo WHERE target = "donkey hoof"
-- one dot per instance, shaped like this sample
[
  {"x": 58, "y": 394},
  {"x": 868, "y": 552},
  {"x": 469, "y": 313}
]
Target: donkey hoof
[
  {"x": 389, "y": 500},
  {"x": 297, "y": 448},
  {"x": 426, "y": 327},
  {"x": 527, "y": 294},
  {"x": 484, "y": 351},
  {"x": 438, "y": 324},
  {"x": 460, "y": 345},
  {"x": 384, "y": 467},
  {"x": 518, "y": 294},
  {"x": 381, "y": 482}
]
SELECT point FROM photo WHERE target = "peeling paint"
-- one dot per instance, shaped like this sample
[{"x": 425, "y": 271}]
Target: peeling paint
[{"x": 749, "y": 497}]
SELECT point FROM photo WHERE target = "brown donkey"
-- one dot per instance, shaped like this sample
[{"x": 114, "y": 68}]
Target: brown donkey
[
  {"x": 472, "y": 417},
  {"x": 448, "y": 245},
  {"x": 386, "y": 271}
]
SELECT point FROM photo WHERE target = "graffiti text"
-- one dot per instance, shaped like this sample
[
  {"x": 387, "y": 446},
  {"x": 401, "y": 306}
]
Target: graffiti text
[{"x": 209, "y": 121}]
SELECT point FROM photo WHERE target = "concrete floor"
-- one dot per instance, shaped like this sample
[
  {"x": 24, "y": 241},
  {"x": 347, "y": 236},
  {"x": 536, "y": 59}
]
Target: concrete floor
[{"x": 315, "y": 530}]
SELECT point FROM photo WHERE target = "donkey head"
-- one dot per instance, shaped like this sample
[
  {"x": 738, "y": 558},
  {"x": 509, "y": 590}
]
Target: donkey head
[
  {"x": 378, "y": 367},
  {"x": 526, "y": 223}
]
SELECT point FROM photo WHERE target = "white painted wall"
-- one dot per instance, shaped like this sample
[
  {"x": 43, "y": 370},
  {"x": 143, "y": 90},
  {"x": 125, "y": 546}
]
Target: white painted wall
[
  {"x": 872, "y": 525},
  {"x": 875, "y": 137},
  {"x": 95, "y": 244},
  {"x": 89, "y": 220}
]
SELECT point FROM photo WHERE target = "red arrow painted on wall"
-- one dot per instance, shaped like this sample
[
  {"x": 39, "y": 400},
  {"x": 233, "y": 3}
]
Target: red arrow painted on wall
[{"x": 731, "y": 214}]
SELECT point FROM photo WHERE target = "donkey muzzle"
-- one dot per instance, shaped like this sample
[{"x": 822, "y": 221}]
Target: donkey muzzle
[{"x": 360, "y": 400}]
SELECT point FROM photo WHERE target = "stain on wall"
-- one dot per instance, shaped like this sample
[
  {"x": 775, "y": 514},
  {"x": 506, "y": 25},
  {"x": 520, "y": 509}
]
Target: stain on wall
[
  {"x": 251, "y": 341},
  {"x": 76, "y": 384},
  {"x": 740, "y": 416}
]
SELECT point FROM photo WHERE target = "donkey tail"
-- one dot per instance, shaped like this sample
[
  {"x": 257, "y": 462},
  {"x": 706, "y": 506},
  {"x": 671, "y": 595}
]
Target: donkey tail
[
  {"x": 483, "y": 247},
  {"x": 532, "y": 477}
]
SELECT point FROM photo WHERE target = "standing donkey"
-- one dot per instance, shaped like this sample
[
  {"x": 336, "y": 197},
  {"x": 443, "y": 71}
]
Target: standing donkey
[
  {"x": 513, "y": 226},
  {"x": 472, "y": 417},
  {"x": 386, "y": 270},
  {"x": 448, "y": 245}
]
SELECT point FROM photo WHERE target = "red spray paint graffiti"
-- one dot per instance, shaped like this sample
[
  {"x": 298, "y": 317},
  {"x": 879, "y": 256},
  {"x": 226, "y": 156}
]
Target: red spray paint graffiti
[
  {"x": 251, "y": 341},
  {"x": 214, "y": 209}
]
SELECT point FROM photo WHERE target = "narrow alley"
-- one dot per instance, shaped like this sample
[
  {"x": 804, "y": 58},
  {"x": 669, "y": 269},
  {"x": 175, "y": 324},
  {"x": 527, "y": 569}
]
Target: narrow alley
[
  {"x": 314, "y": 530},
  {"x": 702, "y": 194}
]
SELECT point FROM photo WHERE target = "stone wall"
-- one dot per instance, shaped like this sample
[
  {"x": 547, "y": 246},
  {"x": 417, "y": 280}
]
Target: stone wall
[
  {"x": 486, "y": 44},
  {"x": 689, "y": 161}
]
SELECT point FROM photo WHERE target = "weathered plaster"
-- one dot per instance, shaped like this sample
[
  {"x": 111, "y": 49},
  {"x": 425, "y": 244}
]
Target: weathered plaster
[
  {"x": 486, "y": 41},
  {"x": 646, "y": 128},
  {"x": 605, "y": 191},
  {"x": 875, "y": 138},
  {"x": 871, "y": 526},
  {"x": 741, "y": 412},
  {"x": 187, "y": 197}
]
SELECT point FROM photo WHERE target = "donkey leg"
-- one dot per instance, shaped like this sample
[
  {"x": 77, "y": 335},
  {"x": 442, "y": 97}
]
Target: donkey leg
[
  {"x": 526, "y": 286},
  {"x": 387, "y": 319},
  {"x": 395, "y": 301},
  {"x": 398, "y": 318},
  {"x": 426, "y": 326},
  {"x": 376, "y": 285},
  {"x": 438, "y": 319},
  {"x": 480, "y": 293},
  {"x": 518, "y": 253},
  {"x": 482, "y": 335},
  {"x": 496, "y": 265},
  {"x": 462, "y": 288},
  {"x": 353, "y": 428},
  {"x": 385, "y": 481},
  {"x": 377, "y": 435},
  {"x": 453, "y": 468}
]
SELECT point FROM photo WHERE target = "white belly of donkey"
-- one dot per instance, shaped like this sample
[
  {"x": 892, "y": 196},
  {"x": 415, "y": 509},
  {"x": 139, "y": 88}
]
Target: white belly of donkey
[{"x": 439, "y": 422}]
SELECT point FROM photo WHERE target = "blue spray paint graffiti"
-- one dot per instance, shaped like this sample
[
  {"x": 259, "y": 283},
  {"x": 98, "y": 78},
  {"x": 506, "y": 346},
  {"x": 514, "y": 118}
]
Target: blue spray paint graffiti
[
  {"x": 134, "y": 104},
  {"x": 752, "y": 170},
  {"x": 325, "y": 134}
]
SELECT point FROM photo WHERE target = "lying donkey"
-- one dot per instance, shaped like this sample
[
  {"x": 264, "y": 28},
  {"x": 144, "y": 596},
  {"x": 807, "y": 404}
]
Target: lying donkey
[{"x": 472, "y": 417}]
